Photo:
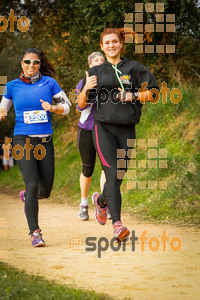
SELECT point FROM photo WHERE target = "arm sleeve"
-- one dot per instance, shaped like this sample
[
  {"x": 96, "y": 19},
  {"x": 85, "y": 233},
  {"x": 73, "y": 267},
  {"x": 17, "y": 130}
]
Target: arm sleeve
[
  {"x": 7, "y": 91},
  {"x": 79, "y": 85},
  {"x": 62, "y": 99},
  {"x": 6, "y": 103},
  {"x": 146, "y": 76}
]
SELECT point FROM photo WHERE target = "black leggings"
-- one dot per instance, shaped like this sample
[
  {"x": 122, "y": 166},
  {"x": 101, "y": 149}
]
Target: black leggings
[
  {"x": 37, "y": 173},
  {"x": 87, "y": 151},
  {"x": 108, "y": 139}
]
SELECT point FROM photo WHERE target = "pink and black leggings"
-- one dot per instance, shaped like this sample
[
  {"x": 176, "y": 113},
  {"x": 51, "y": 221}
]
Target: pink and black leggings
[{"x": 108, "y": 139}]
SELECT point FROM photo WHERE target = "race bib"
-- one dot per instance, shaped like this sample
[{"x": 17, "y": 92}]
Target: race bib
[{"x": 35, "y": 116}]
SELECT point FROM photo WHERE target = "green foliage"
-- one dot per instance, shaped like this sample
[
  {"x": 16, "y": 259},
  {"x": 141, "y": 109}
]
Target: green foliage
[
  {"x": 71, "y": 30},
  {"x": 85, "y": 20}
]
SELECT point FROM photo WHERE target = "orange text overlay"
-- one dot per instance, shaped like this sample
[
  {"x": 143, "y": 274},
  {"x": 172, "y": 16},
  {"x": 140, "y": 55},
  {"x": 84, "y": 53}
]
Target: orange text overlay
[
  {"x": 102, "y": 244},
  {"x": 23, "y": 22},
  {"x": 18, "y": 151},
  {"x": 153, "y": 96}
]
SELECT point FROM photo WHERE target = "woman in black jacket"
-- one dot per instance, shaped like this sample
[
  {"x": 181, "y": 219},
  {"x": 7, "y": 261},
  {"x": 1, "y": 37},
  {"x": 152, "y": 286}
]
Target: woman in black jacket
[{"x": 116, "y": 84}]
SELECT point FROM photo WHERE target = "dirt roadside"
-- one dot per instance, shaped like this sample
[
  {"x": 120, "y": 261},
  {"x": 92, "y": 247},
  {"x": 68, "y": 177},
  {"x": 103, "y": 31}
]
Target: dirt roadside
[{"x": 120, "y": 274}]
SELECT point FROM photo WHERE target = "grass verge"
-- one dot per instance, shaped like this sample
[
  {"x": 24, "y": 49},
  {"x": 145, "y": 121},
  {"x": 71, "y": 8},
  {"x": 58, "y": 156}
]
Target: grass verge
[{"x": 17, "y": 285}]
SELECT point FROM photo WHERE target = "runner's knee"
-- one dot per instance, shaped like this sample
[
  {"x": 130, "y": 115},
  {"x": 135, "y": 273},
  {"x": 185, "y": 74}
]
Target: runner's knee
[
  {"x": 113, "y": 180},
  {"x": 88, "y": 170},
  {"x": 44, "y": 194},
  {"x": 32, "y": 189}
]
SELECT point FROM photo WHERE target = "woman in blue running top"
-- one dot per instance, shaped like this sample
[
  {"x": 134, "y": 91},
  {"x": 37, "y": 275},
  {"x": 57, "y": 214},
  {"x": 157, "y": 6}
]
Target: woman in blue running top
[
  {"x": 31, "y": 94},
  {"x": 85, "y": 142},
  {"x": 115, "y": 84}
]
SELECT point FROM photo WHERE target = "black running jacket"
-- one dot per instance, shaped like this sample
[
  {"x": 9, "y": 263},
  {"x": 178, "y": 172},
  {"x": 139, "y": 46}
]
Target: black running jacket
[{"x": 132, "y": 75}]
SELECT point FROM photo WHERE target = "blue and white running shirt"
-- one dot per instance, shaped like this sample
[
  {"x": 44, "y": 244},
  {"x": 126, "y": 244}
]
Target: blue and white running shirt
[{"x": 26, "y": 100}]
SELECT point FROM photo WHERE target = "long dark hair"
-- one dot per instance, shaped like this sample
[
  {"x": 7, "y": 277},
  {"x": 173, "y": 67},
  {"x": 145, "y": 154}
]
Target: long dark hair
[{"x": 46, "y": 67}]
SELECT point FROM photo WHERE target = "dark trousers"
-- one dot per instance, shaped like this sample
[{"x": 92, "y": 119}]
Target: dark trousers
[
  {"x": 87, "y": 151},
  {"x": 108, "y": 139},
  {"x": 37, "y": 172}
]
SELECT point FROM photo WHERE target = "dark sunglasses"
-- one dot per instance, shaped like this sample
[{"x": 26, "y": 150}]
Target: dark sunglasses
[{"x": 34, "y": 62}]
